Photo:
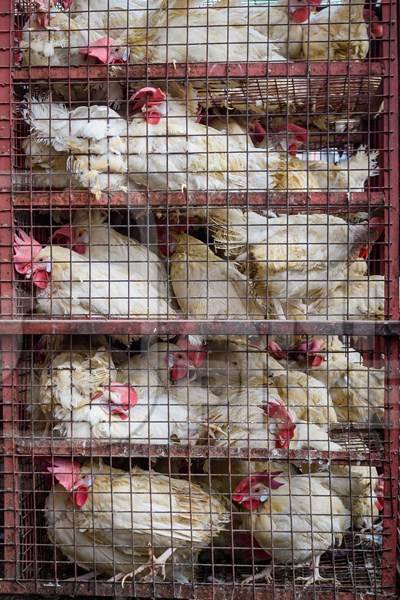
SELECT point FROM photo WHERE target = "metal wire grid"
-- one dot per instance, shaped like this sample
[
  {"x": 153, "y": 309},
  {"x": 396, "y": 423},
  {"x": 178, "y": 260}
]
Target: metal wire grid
[{"x": 388, "y": 184}]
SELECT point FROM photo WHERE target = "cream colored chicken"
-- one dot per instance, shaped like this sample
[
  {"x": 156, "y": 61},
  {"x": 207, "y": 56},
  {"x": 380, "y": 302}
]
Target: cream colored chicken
[
  {"x": 108, "y": 520},
  {"x": 294, "y": 519},
  {"x": 338, "y": 32},
  {"x": 207, "y": 286},
  {"x": 357, "y": 391},
  {"x": 306, "y": 396},
  {"x": 190, "y": 31},
  {"x": 258, "y": 418},
  {"x": 68, "y": 284},
  {"x": 105, "y": 31},
  {"x": 355, "y": 298},
  {"x": 293, "y": 258},
  {"x": 83, "y": 394},
  {"x": 95, "y": 136},
  {"x": 281, "y": 22},
  {"x": 91, "y": 236}
]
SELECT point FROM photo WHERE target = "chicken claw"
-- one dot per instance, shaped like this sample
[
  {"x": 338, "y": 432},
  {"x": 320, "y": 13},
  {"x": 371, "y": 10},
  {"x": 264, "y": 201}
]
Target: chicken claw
[
  {"x": 155, "y": 564},
  {"x": 316, "y": 576},
  {"x": 265, "y": 574}
]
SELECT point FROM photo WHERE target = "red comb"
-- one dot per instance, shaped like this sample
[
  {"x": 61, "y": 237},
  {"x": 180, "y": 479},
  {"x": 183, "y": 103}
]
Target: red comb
[
  {"x": 150, "y": 98},
  {"x": 277, "y": 410},
  {"x": 196, "y": 354},
  {"x": 127, "y": 395},
  {"x": 245, "y": 485},
  {"x": 25, "y": 250},
  {"x": 104, "y": 50},
  {"x": 257, "y": 132},
  {"x": 65, "y": 471}
]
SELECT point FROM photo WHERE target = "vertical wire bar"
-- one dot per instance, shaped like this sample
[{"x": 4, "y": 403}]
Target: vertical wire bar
[
  {"x": 6, "y": 287},
  {"x": 390, "y": 145}
]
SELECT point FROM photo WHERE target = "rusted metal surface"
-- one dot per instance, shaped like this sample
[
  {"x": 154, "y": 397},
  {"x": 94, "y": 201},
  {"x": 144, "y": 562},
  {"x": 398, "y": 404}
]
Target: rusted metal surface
[
  {"x": 32, "y": 563},
  {"x": 96, "y": 326},
  {"x": 184, "y": 592},
  {"x": 25, "y": 447},
  {"x": 332, "y": 202},
  {"x": 196, "y": 71}
]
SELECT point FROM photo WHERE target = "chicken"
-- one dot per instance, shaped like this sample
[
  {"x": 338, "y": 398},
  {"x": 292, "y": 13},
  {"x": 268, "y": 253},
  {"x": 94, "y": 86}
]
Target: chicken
[
  {"x": 277, "y": 253},
  {"x": 83, "y": 394},
  {"x": 235, "y": 364},
  {"x": 167, "y": 363},
  {"x": 165, "y": 147},
  {"x": 280, "y": 23},
  {"x": 358, "y": 486},
  {"x": 306, "y": 396},
  {"x": 108, "y": 520},
  {"x": 90, "y": 235},
  {"x": 67, "y": 284},
  {"x": 258, "y": 418},
  {"x": 108, "y": 32},
  {"x": 354, "y": 298},
  {"x": 192, "y": 32},
  {"x": 47, "y": 167},
  {"x": 357, "y": 391},
  {"x": 339, "y": 32},
  {"x": 96, "y": 134},
  {"x": 207, "y": 286},
  {"x": 294, "y": 519}
]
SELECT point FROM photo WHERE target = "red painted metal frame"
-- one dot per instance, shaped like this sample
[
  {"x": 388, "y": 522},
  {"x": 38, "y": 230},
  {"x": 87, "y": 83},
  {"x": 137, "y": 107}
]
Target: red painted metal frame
[
  {"x": 201, "y": 71},
  {"x": 178, "y": 591},
  {"x": 98, "y": 326},
  {"x": 331, "y": 202},
  {"x": 7, "y": 343},
  {"x": 390, "y": 14},
  {"x": 14, "y": 446}
]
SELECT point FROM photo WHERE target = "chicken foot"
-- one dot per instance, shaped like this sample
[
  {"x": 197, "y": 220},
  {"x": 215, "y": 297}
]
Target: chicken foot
[
  {"x": 155, "y": 564},
  {"x": 265, "y": 574},
  {"x": 316, "y": 576}
]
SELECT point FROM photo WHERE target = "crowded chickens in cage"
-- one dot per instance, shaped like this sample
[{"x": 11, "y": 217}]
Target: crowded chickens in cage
[
  {"x": 263, "y": 406},
  {"x": 231, "y": 393}
]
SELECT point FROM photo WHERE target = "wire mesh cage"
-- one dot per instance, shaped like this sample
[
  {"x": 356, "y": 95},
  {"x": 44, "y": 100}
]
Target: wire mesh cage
[{"x": 199, "y": 298}]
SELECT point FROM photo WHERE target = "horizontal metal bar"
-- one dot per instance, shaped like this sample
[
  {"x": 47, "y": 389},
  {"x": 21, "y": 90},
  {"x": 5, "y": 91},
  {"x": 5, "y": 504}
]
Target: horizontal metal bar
[
  {"x": 95, "y": 326},
  {"x": 82, "y": 199},
  {"x": 241, "y": 70},
  {"x": 210, "y": 591},
  {"x": 24, "y": 446}
]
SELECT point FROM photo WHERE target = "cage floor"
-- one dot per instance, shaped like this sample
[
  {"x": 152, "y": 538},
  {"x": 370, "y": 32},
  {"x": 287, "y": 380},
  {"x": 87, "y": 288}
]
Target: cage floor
[{"x": 357, "y": 564}]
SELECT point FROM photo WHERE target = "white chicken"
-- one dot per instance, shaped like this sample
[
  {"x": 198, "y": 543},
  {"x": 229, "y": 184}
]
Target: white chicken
[
  {"x": 280, "y": 22},
  {"x": 67, "y": 284},
  {"x": 357, "y": 391},
  {"x": 258, "y": 418},
  {"x": 340, "y": 32},
  {"x": 108, "y": 32},
  {"x": 90, "y": 236},
  {"x": 83, "y": 395},
  {"x": 108, "y": 520},
  {"x": 97, "y": 134},
  {"x": 206, "y": 286},
  {"x": 292, "y": 259},
  {"x": 190, "y": 31},
  {"x": 165, "y": 147},
  {"x": 354, "y": 298},
  {"x": 294, "y": 519}
]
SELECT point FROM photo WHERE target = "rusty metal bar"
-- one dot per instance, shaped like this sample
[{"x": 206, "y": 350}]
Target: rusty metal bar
[
  {"x": 201, "y": 71},
  {"x": 333, "y": 202},
  {"x": 180, "y": 591},
  {"x": 94, "y": 326},
  {"x": 26, "y": 447},
  {"x": 7, "y": 345}
]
